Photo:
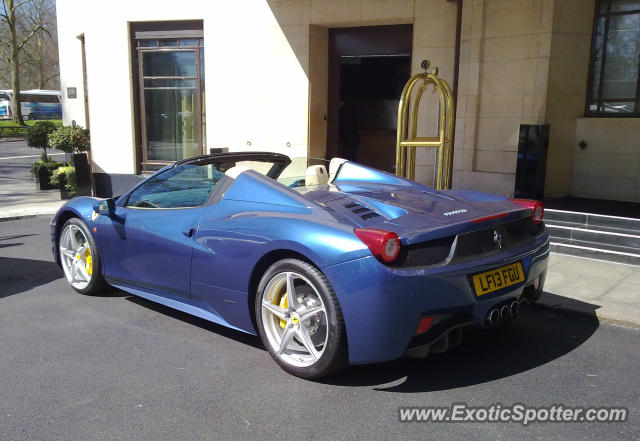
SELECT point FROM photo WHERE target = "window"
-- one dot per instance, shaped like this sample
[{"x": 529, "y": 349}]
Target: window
[
  {"x": 614, "y": 83},
  {"x": 183, "y": 186},
  {"x": 170, "y": 79},
  {"x": 31, "y": 98}
]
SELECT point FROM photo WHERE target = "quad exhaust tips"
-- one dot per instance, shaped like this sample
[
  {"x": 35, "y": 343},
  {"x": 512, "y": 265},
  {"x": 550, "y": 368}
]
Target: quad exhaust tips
[
  {"x": 514, "y": 307},
  {"x": 493, "y": 317},
  {"x": 501, "y": 313}
]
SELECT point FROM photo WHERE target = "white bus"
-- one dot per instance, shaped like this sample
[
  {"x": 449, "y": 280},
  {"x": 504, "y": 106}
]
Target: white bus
[{"x": 35, "y": 104}]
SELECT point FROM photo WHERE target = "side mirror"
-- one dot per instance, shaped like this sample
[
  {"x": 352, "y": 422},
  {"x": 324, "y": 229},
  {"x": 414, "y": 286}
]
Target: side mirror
[{"x": 106, "y": 207}]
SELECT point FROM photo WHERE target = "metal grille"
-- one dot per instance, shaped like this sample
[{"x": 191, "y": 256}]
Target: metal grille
[
  {"x": 365, "y": 212},
  {"x": 424, "y": 254},
  {"x": 481, "y": 242},
  {"x": 469, "y": 246}
]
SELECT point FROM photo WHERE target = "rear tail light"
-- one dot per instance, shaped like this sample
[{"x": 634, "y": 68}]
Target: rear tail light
[
  {"x": 384, "y": 245},
  {"x": 536, "y": 207}
]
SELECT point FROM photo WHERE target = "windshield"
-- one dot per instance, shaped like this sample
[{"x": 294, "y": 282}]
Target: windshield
[{"x": 288, "y": 171}]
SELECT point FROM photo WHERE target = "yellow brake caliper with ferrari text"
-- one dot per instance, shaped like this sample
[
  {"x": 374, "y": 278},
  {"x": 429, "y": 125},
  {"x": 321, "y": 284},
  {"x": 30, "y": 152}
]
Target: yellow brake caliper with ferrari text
[
  {"x": 88, "y": 261},
  {"x": 283, "y": 304}
]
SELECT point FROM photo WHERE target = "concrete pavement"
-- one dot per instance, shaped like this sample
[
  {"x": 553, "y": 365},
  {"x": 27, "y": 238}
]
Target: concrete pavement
[
  {"x": 578, "y": 285},
  {"x": 610, "y": 291},
  {"x": 18, "y": 194}
]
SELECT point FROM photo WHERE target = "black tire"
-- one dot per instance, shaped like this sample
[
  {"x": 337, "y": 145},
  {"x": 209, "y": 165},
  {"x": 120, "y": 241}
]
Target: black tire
[
  {"x": 96, "y": 284},
  {"x": 334, "y": 356}
]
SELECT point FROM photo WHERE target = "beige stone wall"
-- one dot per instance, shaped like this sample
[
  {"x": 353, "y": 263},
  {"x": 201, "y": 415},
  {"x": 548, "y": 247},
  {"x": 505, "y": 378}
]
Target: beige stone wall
[
  {"x": 503, "y": 83},
  {"x": 521, "y": 61},
  {"x": 567, "y": 88},
  {"x": 609, "y": 166}
]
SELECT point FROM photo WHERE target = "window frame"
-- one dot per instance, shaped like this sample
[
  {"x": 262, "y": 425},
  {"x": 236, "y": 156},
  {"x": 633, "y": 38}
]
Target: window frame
[
  {"x": 600, "y": 99},
  {"x": 145, "y": 31}
]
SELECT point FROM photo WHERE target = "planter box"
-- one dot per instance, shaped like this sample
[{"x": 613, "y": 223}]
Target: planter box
[
  {"x": 42, "y": 180},
  {"x": 83, "y": 178},
  {"x": 64, "y": 194}
]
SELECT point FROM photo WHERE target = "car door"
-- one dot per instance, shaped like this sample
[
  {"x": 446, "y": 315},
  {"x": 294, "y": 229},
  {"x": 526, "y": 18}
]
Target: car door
[{"x": 150, "y": 237}]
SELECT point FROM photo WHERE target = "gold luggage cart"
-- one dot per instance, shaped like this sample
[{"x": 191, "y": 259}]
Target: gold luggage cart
[{"x": 407, "y": 139}]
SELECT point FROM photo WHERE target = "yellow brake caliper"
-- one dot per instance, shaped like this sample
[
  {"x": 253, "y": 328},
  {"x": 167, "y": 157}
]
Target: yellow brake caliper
[
  {"x": 88, "y": 261},
  {"x": 283, "y": 304}
]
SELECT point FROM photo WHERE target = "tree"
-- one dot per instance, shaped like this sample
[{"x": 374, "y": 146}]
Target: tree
[
  {"x": 38, "y": 136},
  {"x": 70, "y": 139},
  {"x": 12, "y": 45},
  {"x": 39, "y": 67}
]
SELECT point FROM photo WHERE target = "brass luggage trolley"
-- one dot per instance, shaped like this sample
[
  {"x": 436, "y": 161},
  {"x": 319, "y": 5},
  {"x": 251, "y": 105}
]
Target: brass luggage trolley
[{"x": 407, "y": 139}]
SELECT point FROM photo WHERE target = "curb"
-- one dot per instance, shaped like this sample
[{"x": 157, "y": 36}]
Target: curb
[
  {"x": 11, "y": 218},
  {"x": 27, "y": 215},
  {"x": 598, "y": 314}
]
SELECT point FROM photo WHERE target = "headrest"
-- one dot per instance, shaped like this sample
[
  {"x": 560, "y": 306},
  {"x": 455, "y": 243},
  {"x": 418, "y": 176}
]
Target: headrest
[
  {"x": 316, "y": 175},
  {"x": 235, "y": 171}
]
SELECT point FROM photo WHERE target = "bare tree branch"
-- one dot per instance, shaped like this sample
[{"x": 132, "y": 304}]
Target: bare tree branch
[
  {"x": 28, "y": 37},
  {"x": 15, "y": 7}
]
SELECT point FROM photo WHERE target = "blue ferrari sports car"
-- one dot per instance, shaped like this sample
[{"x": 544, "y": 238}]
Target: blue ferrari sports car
[{"x": 348, "y": 265}]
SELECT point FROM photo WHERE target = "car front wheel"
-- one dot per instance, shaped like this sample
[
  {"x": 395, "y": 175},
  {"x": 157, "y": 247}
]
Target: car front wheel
[
  {"x": 299, "y": 319},
  {"x": 80, "y": 258}
]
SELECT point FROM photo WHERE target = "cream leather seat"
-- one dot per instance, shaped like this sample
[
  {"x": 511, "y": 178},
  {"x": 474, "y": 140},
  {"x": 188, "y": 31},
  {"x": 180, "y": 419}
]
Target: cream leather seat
[{"x": 316, "y": 175}]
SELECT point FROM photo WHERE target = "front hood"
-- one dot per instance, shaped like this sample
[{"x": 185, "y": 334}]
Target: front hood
[{"x": 413, "y": 212}]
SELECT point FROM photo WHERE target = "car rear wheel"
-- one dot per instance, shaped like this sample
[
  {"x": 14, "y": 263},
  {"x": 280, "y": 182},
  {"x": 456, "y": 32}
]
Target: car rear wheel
[
  {"x": 299, "y": 319},
  {"x": 80, "y": 258}
]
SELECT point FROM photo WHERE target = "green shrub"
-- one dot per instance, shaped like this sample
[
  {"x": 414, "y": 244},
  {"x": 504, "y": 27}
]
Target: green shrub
[
  {"x": 38, "y": 135},
  {"x": 42, "y": 163},
  {"x": 66, "y": 174},
  {"x": 70, "y": 139}
]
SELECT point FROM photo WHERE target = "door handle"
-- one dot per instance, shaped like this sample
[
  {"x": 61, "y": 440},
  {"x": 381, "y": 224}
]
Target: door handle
[{"x": 190, "y": 232}]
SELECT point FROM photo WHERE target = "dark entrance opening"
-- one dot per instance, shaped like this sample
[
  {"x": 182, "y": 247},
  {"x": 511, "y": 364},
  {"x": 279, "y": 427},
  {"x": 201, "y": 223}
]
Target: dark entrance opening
[{"x": 368, "y": 67}]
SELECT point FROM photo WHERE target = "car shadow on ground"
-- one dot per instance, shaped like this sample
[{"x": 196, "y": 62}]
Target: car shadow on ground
[
  {"x": 19, "y": 275},
  {"x": 536, "y": 337},
  {"x": 232, "y": 334},
  {"x": 13, "y": 237}
]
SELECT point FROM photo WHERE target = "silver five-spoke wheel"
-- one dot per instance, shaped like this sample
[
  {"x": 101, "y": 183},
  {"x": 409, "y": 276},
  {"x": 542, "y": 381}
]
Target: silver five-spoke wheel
[
  {"x": 75, "y": 256},
  {"x": 299, "y": 319},
  {"x": 294, "y": 318}
]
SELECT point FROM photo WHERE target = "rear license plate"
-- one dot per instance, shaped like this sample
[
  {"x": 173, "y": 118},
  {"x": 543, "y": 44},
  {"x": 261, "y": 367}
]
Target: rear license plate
[{"x": 498, "y": 278}]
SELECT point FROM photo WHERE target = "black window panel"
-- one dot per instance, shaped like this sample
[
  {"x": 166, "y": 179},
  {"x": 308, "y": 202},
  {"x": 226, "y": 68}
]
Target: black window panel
[{"x": 614, "y": 76}]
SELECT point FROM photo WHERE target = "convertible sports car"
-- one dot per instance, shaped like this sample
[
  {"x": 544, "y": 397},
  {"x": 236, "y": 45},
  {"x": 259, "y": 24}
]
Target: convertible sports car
[{"x": 353, "y": 265}]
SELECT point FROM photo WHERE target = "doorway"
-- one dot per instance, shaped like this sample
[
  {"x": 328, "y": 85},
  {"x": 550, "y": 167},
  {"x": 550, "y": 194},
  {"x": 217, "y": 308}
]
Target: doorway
[{"x": 368, "y": 68}]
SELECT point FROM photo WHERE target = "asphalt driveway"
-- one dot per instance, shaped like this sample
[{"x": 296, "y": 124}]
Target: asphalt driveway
[{"x": 118, "y": 367}]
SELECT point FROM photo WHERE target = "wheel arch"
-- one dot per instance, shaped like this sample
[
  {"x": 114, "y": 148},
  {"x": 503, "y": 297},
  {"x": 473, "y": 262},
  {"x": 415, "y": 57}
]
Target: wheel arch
[
  {"x": 261, "y": 267},
  {"x": 62, "y": 219}
]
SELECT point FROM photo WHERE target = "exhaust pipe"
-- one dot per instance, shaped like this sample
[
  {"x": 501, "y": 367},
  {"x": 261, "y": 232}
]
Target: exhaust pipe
[
  {"x": 513, "y": 307},
  {"x": 493, "y": 317},
  {"x": 505, "y": 312}
]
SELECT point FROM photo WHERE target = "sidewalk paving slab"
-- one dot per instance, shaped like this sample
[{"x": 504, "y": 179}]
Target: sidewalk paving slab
[
  {"x": 19, "y": 211},
  {"x": 584, "y": 286}
]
